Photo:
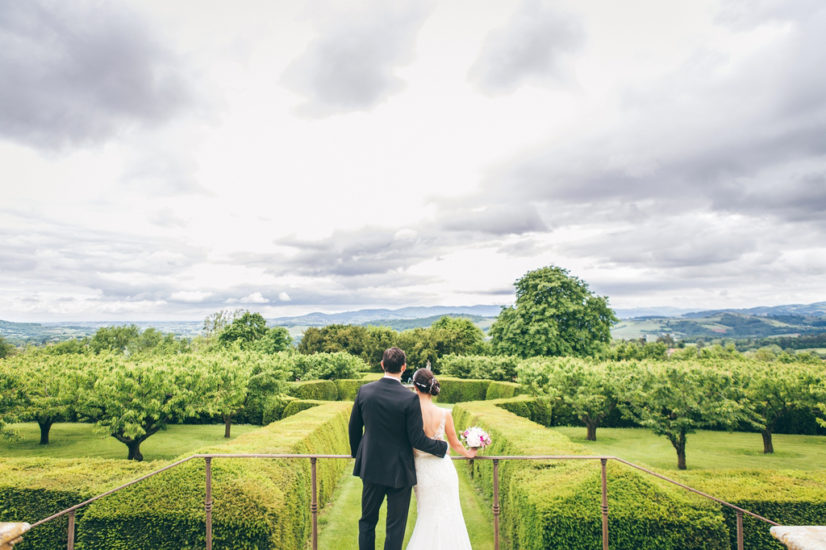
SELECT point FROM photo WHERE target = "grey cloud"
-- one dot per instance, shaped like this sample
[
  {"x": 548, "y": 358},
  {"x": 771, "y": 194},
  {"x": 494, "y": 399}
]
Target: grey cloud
[
  {"x": 76, "y": 73},
  {"x": 350, "y": 66},
  {"x": 505, "y": 219},
  {"x": 531, "y": 46}
]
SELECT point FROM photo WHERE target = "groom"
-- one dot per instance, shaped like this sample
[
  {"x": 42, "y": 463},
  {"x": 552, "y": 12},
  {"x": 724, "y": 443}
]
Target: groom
[{"x": 392, "y": 420}]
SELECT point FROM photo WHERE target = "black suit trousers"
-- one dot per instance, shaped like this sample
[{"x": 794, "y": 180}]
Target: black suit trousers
[{"x": 398, "y": 504}]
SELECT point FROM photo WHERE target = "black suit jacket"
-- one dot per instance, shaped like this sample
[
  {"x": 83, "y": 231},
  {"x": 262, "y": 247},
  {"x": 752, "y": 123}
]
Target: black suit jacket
[{"x": 392, "y": 420}]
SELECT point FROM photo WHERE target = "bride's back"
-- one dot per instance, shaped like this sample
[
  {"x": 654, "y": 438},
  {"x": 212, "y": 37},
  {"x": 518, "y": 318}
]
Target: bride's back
[{"x": 431, "y": 418}]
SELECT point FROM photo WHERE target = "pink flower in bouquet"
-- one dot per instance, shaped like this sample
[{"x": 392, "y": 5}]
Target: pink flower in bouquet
[{"x": 476, "y": 437}]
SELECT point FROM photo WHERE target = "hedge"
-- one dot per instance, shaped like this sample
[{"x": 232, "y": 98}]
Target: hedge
[
  {"x": 498, "y": 367},
  {"x": 323, "y": 390},
  {"x": 501, "y": 390},
  {"x": 297, "y": 405},
  {"x": 535, "y": 409},
  {"x": 789, "y": 497},
  {"x": 35, "y": 488},
  {"x": 456, "y": 390},
  {"x": 258, "y": 503},
  {"x": 555, "y": 504}
]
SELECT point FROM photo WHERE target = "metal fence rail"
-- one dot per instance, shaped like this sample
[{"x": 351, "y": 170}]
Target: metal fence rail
[{"x": 314, "y": 458}]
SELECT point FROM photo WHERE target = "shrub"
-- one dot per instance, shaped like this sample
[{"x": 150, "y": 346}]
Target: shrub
[
  {"x": 499, "y": 367},
  {"x": 456, "y": 390},
  {"x": 347, "y": 389},
  {"x": 258, "y": 504},
  {"x": 787, "y": 497},
  {"x": 322, "y": 390},
  {"x": 34, "y": 488},
  {"x": 500, "y": 390},
  {"x": 556, "y": 504},
  {"x": 535, "y": 409},
  {"x": 326, "y": 366},
  {"x": 297, "y": 405},
  {"x": 273, "y": 409}
]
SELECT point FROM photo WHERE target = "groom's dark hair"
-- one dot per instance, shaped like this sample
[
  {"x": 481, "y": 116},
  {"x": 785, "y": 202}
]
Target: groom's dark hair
[{"x": 393, "y": 360}]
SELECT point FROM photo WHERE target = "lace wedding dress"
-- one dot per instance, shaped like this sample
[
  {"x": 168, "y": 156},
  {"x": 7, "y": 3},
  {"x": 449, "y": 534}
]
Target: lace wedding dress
[{"x": 439, "y": 522}]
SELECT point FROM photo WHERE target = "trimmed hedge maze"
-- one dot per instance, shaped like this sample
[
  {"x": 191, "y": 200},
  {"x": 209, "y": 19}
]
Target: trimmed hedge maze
[
  {"x": 258, "y": 503},
  {"x": 557, "y": 504}
]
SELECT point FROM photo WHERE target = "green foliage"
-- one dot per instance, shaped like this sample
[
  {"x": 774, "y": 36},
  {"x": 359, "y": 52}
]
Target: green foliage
[
  {"x": 258, "y": 504},
  {"x": 591, "y": 392},
  {"x": 7, "y": 349},
  {"x": 636, "y": 350},
  {"x": 499, "y": 390},
  {"x": 297, "y": 405},
  {"x": 555, "y": 314},
  {"x": 535, "y": 409},
  {"x": 501, "y": 367},
  {"x": 245, "y": 329},
  {"x": 556, "y": 504},
  {"x": 456, "y": 390},
  {"x": 114, "y": 339},
  {"x": 674, "y": 401},
  {"x": 325, "y": 366},
  {"x": 347, "y": 389},
  {"x": 273, "y": 409},
  {"x": 322, "y": 390},
  {"x": 274, "y": 340}
]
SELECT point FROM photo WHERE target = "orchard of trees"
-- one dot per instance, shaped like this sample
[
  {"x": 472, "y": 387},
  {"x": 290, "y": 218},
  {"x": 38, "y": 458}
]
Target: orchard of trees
[{"x": 555, "y": 340}]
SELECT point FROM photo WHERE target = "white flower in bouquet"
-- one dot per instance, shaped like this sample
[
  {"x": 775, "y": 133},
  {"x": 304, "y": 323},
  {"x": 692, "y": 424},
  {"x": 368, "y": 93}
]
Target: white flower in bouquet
[{"x": 475, "y": 437}]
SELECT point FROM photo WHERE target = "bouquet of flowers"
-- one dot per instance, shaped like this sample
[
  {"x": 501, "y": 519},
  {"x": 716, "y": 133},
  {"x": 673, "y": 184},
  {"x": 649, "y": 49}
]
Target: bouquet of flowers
[{"x": 475, "y": 437}]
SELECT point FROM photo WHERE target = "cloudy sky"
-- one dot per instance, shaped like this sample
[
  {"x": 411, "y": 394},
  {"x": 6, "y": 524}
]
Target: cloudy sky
[{"x": 163, "y": 160}]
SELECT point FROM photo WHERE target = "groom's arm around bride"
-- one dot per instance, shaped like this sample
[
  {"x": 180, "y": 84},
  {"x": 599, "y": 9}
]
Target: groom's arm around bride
[{"x": 385, "y": 426}]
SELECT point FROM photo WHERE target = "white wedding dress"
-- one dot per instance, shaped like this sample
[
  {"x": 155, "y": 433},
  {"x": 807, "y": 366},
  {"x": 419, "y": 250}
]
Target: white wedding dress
[{"x": 439, "y": 522}]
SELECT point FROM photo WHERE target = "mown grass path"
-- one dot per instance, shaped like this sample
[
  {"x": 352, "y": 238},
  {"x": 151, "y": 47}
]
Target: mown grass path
[
  {"x": 75, "y": 440},
  {"x": 706, "y": 450},
  {"x": 338, "y": 523}
]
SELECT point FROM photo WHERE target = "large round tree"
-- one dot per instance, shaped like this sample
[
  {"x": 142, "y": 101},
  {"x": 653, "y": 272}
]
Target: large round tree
[{"x": 555, "y": 314}]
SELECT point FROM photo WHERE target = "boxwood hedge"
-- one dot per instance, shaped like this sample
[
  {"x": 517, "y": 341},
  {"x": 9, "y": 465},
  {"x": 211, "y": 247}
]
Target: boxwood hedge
[
  {"x": 258, "y": 503},
  {"x": 35, "y": 488},
  {"x": 324, "y": 390},
  {"x": 557, "y": 504}
]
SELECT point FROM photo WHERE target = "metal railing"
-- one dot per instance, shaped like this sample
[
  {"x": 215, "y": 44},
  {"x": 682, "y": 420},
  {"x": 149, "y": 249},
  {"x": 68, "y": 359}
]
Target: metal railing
[{"x": 314, "y": 493}]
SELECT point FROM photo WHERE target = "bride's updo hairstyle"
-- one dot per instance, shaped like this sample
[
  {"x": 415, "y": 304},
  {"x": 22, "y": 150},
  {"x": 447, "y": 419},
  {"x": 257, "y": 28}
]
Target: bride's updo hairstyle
[{"x": 425, "y": 382}]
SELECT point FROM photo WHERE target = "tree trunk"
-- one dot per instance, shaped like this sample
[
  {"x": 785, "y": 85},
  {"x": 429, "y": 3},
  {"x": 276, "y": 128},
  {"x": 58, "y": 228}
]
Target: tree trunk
[
  {"x": 678, "y": 442},
  {"x": 45, "y": 426},
  {"x": 768, "y": 447},
  {"x": 592, "y": 431},
  {"x": 134, "y": 450},
  {"x": 227, "y": 424}
]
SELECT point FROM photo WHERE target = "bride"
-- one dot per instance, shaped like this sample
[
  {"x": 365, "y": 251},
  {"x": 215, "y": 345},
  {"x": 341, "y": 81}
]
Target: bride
[{"x": 439, "y": 521}]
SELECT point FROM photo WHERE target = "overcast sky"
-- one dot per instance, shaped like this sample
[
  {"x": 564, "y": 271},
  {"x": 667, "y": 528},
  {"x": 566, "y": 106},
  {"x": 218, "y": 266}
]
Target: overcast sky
[{"x": 163, "y": 160}]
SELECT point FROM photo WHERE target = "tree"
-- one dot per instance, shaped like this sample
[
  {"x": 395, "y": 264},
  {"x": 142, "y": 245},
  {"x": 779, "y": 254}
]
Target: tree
[
  {"x": 47, "y": 392},
  {"x": 676, "y": 401},
  {"x": 245, "y": 330},
  {"x": 770, "y": 392},
  {"x": 10, "y": 397},
  {"x": 589, "y": 391},
  {"x": 274, "y": 340},
  {"x": 131, "y": 401},
  {"x": 214, "y": 323},
  {"x": 6, "y": 348},
  {"x": 114, "y": 339},
  {"x": 227, "y": 381},
  {"x": 555, "y": 314}
]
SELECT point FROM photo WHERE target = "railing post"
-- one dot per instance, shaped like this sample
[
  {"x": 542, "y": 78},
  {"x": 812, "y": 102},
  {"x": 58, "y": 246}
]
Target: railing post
[
  {"x": 739, "y": 530},
  {"x": 314, "y": 502},
  {"x": 604, "y": 462},
  {"x": 208, "y": 502},
  {"x": 70, "y": 544},
  {"x": 496, "y": 504}
]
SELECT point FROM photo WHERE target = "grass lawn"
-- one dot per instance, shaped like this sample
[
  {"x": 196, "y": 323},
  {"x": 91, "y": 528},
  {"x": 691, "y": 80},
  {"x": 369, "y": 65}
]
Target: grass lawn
[
  {"x": 338, "y": 523},
  {"x": 74, "y": 440},
  {"x": 705, "y": 450}
]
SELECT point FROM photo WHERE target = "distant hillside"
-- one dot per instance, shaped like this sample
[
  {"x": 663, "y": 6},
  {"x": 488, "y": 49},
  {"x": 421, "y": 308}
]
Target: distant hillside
[
  {"x": 406, "y": 324},
  {"x": 759, "y": 322},
  {"x": 371, "y": 316}
]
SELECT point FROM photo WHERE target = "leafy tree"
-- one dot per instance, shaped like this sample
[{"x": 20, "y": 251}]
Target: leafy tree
[
  {"x": 227, "y": 382},
  {"x": 215, "y": 323},
  {"x": 245, "y": 329},
  {"x": 6, "y": 348},
  {"x": 10, "y": 398},
  {"x": 274, "y": 340},
  {"x": 47, "y": 392},
  {"x": 131, "y": 401},
  {"x": 555, "y": 314},
  {"x": 769, "y": 393},
  {"x": 676, "y": 401},
  {"x": 353, "y": 339},
  {"x": 114, "y": 339},
  {"x": 589, "y": 391}
]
